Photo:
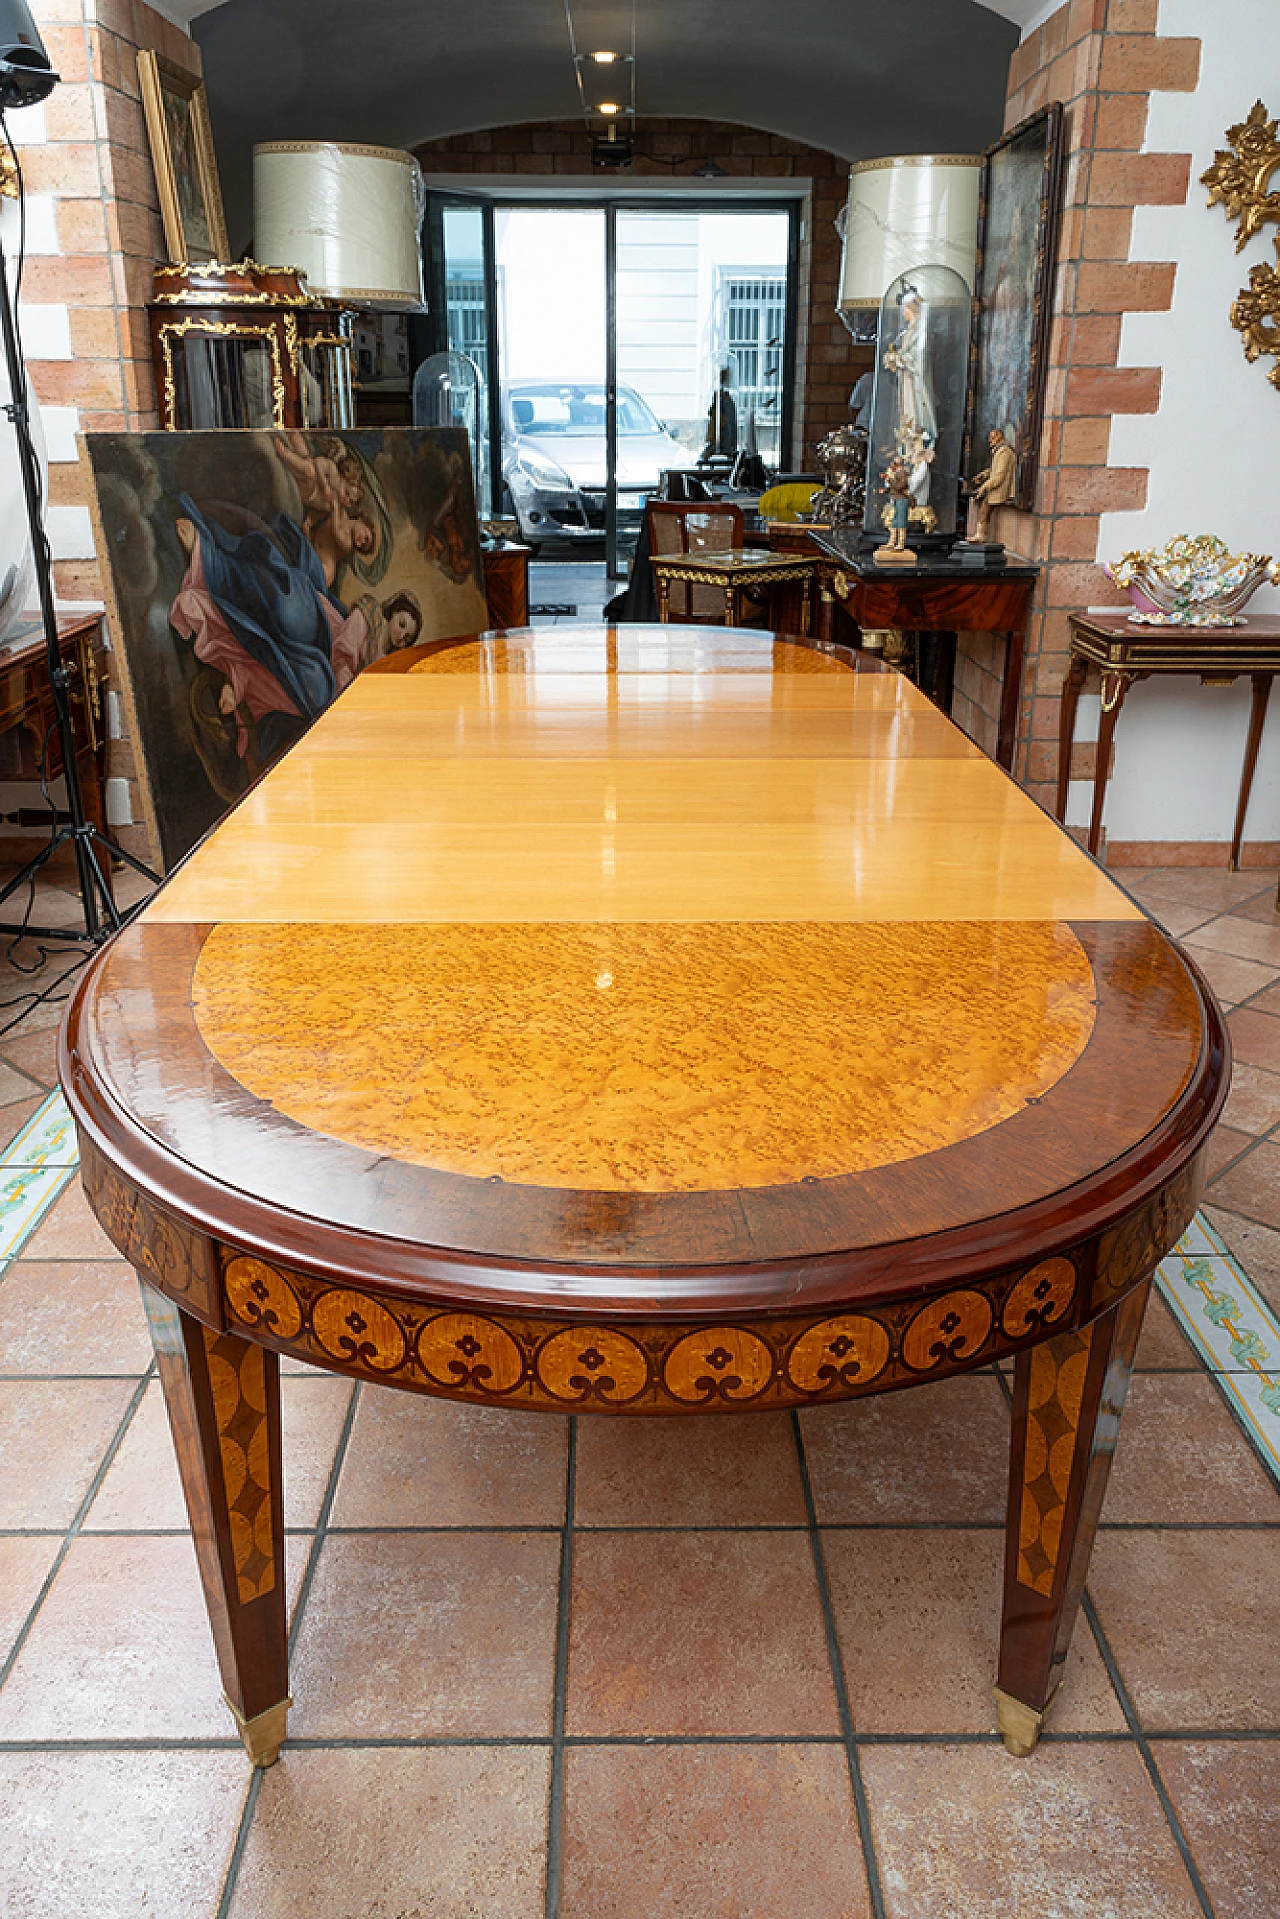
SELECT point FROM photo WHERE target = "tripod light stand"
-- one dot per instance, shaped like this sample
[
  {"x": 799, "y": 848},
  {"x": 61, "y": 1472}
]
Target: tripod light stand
[{"x": 26, "y": 78}]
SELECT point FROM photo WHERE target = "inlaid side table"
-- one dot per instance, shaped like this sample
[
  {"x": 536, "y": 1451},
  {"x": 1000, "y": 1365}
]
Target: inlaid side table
[
  {"x": 1124, "y": 652},
  {"x": 735, "y": 571}
]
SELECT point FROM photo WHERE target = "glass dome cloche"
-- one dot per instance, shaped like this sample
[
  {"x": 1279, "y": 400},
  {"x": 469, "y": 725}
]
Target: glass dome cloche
[
  {"x": 917, "y": 410},
  {"x": 450, "y": 390}
]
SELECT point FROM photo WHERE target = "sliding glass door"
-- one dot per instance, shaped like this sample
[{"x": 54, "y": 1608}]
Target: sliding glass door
[
  {"x": 702, "y": 296},
  {"x": 618, "y": 342}
]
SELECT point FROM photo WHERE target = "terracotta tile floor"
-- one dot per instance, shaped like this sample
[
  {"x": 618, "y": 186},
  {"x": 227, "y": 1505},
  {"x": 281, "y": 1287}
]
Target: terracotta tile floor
[{"x": 727, "y": 1670}]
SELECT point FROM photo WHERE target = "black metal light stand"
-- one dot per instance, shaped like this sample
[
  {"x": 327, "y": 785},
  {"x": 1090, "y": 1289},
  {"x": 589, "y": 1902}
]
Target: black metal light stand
[{"x": 102, "y": 917}]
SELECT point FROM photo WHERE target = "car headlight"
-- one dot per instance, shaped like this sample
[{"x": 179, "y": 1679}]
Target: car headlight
[{"x": 543, "y": 472}]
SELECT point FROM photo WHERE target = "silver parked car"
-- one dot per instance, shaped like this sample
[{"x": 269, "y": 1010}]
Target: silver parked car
[{"x": 553, "y": 458}]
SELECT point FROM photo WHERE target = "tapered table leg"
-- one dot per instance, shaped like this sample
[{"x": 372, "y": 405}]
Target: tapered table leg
[
  {"x": 223, "y": 1399},
  {"x": 1114, "y": 688},
  {"x": 1257, "y": 720},
  {"x": 1071, "y": 687},
  {"x": 1069, "y": 1393}
]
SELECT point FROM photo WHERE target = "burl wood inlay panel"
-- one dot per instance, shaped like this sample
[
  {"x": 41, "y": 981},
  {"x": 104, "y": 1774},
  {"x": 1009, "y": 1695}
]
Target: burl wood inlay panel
[{"x": 646, "y": 1058}]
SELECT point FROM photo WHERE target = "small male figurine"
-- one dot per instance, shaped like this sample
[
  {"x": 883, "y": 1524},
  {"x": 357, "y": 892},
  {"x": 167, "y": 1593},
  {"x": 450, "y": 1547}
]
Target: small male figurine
[
  {"x": 898, "y": 480},
  {"x": 998, "y": 485},
  {"x": 897, "y": 477}
]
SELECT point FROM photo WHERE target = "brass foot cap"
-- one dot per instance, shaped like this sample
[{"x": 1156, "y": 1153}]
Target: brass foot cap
[
  {"x": 1020, "y": 1725},
  {"x": 264, "y": 1734}
]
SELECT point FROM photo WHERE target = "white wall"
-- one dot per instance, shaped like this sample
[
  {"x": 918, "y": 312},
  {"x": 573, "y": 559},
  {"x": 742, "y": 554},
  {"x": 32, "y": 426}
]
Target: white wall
[{"x": 1210, "y": 450}]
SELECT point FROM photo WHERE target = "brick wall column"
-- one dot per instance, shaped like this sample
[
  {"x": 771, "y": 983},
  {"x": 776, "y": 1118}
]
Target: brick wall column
[
  {"x": 93, "y": 239},
  {"x": 1102, "y": 59}
]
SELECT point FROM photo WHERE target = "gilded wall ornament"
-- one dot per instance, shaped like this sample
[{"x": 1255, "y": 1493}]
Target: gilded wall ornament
[
  {"x": 1241, "y": 176},
  {"x": 1255, "y": 313}
]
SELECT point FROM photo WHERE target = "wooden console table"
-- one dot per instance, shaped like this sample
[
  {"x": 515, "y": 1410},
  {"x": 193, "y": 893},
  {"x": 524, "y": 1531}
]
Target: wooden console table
[
  {"x": 481, "y": 1116},
  {"x": 1124, "y": 652},
  {"x": 933, "y": 596}
]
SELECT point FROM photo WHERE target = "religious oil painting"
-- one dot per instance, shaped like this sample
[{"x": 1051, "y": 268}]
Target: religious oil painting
[
  {"x": 182, "y": 155},
  {"x": 1017, "y": 241},
  {"x": 251, "y": 575}
]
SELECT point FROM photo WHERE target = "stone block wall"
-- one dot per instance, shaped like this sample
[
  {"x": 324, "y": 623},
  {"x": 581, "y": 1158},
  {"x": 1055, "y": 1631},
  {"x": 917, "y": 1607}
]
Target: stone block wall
[
  {"x": 1102, "y": 59},
  {"x": 827, "y": 361},
  {"x": 93, "y": 239}
]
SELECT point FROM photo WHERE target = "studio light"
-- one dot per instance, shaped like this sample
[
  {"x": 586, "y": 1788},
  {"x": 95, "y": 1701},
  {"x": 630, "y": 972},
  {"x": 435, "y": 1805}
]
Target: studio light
[{"x": 26, "y": 76}]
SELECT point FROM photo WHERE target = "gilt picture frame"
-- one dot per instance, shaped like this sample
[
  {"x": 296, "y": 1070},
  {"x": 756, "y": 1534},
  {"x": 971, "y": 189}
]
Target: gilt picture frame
[
  {"x": 1019, "y": 203},
  {"x": 176, "y": 108}
]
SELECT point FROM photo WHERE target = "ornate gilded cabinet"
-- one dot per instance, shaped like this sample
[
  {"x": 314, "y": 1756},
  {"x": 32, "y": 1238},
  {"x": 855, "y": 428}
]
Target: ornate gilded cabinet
[{"x": 248, "y": 346}]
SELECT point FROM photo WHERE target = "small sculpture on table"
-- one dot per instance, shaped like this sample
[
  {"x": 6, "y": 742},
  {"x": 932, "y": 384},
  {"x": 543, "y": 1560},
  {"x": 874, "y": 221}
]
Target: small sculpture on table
[
  {"x": 896, "y": 552},
  {"x": 996, "y": 485},
  {"x": 843, "y": 459},
  {"x": 922, "y": 353}
]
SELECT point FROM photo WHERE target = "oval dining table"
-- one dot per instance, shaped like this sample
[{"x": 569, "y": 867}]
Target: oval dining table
[{"x": 641, "y": 1022}]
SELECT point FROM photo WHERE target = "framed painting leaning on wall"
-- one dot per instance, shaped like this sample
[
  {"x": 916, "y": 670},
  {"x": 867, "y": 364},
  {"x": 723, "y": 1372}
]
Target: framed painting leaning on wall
[
  {"x": 186, "y": 168},
  {"x": 1019, "y": 197},
  {"x": 251, "y": 575}
]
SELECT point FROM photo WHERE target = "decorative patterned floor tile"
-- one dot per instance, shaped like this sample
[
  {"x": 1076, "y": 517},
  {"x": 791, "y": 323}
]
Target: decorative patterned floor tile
[
  {"x": 1232, "y": 1328},
  {"x": 35, "y": 1168},
  {"x": 47, "y": 1139}
]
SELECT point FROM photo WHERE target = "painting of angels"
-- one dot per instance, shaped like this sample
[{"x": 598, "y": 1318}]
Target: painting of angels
[{"x": 251, "y": 576}]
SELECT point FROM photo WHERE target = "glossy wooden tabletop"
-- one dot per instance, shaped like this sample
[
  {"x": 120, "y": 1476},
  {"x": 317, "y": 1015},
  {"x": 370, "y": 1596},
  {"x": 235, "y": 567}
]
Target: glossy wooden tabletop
[{"x": 653, "y": 949}]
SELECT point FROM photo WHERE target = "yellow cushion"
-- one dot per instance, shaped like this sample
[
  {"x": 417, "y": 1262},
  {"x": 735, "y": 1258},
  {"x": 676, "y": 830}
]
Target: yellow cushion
[{"x": 787, "y": 502}]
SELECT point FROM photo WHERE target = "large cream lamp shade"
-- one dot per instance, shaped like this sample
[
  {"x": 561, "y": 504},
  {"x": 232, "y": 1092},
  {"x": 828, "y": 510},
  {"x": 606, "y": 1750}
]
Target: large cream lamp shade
[
  {"x": 903, "y": 213},
  {"x": 349, "y": 216}
]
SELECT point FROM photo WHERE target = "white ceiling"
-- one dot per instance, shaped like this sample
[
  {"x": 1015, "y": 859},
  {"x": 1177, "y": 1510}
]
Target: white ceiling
[
  {"x": 855, "y": 77},
  {"x": 1023, "y": 12}
]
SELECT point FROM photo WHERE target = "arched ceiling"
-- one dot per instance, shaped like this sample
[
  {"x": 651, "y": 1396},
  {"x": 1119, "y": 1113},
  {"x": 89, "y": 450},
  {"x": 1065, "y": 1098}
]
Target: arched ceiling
[{"x": 857, "y": 77}]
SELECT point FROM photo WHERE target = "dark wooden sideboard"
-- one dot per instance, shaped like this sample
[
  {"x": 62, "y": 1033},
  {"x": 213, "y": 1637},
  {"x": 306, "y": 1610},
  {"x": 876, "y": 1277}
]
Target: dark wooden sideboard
[
  {"x": 506, "y": 583},
  {"x": 934, "y": 595},
  {"x": 28, "y": 733}
]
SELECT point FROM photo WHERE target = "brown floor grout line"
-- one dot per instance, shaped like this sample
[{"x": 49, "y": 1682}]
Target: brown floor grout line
[
  {"x": 74, "y": 1529},
  {"x": 254, "y": 1789},
  {"x": 564, "y": 1597},
  {"x": 57, "y": 1379},
  {"x": 1230, "y": 1165},
  {"x": 1130, "y": 1711},
  {"x": 862, "y": 1809},
  {"x": 519, "y": 1531},
  {"x": 431, "y": 1742},
  {"x": 252, "y": 1794}
]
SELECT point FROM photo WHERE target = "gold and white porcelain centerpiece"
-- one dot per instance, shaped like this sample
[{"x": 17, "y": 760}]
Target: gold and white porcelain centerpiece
[{"x": 1191, "y": 582}]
